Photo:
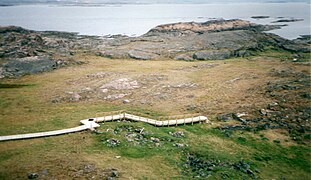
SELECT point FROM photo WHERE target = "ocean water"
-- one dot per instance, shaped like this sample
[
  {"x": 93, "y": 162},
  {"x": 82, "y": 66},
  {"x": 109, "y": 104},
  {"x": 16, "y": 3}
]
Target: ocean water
[{"x": 137, "y": 19}]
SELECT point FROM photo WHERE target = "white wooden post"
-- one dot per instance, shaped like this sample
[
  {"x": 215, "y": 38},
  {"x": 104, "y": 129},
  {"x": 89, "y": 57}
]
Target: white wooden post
[{"x": 192, "y": 120}]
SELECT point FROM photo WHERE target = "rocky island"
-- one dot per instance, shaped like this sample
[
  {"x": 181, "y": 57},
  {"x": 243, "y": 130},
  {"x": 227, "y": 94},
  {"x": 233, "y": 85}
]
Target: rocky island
[{"x": 253, "y": 85}]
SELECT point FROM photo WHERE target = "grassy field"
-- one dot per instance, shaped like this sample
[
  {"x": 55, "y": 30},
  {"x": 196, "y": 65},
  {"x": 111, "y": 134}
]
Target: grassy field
[{"x": 28, "y": 105}]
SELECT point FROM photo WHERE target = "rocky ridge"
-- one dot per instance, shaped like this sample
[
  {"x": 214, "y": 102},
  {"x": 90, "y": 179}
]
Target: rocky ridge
[{"x": 211, "y": 40}]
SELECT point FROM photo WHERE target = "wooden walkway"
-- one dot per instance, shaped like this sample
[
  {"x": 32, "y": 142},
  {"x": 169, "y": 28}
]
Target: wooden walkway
[
  {"x": 92, "y": 123},
  {"x": 43, "y": 134}
]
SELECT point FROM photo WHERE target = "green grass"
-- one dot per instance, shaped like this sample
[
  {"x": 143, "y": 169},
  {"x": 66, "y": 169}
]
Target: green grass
[
  {"x": 259, "y": 153},
  {"x": 27, "y": 108}
]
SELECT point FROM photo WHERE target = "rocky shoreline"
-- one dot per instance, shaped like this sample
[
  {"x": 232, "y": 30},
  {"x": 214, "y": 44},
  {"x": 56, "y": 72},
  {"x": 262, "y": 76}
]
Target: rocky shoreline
[{"x": 22, "y": 49}]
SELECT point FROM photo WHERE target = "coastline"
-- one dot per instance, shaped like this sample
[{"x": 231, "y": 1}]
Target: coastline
[{"x": 134, "y": 24}]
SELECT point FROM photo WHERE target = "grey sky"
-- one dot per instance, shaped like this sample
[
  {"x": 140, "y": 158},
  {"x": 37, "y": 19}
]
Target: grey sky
[{"x": 139, "y": 1}]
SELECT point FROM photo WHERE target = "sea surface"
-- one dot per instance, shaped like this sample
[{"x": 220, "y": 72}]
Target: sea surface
[{"x": 137, "y": 19}]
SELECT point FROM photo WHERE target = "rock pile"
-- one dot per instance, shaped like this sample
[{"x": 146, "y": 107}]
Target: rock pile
[{"x": 203, "y": 167}]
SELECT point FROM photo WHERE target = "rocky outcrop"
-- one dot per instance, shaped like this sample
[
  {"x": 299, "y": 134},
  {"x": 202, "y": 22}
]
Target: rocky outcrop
[
  {"x": 303, "y": 39},
  {"x": 210, "y": 26},
  {"x": 25, "y": 66},
  {"x": 31, "y": 65},
  {"x": 212, "y": 55},
  {"x": 211, "y": 40},
  {"x": 142, "y": 55},
  {"x": 16, "y": 43}
]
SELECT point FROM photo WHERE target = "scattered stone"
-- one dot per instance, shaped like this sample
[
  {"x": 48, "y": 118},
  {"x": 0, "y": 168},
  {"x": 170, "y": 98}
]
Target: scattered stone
[
  {"x": 201, "y": 167},
  {"x": 104, "y": 90},
  {"x": 155, "y": 140},
  {"x": 114, "y": 173},
  {"x": 74, "y": 97},
  {"x": 180, "y": 145},
  {"x": 178, "y": 134},
  {"x": 88, "y": 89},
  {"x": 33, "y": 175},
  {"x": 126, "y": 101},
  {"x": 226, "y": 117},
  {"x": 191, "y": 107},
  {"x": 243, "y": 167},
  {"x": 238, "y": 116},
  {"x": 184, "y": 85},
  {"x": 266, "y": 112},
  {"x": 130, "y": 137},
  {"x": 99, "y": 75},
  {"x": 162, "y": 96},
  {"x": 89, "y": 168},
  {"x": 233, "y": 80},
  {"x": 121, "y": 84},
  {"x": 115, "y": 96},
  {"x": 112, "y": 142},
  {"x": 203, "y": 66},
  {"x": 273, "y": 106}
]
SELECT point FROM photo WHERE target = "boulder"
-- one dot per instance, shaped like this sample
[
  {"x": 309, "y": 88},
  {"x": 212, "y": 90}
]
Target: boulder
[
  {"x": 112, "y": 142},
  {"x": 226, "y": 117},
  {"x": 178, "y": 134},
  {"x": 142, "y": 55},
  {"x": 212, "y": 55},
  {"x": 33, "y": 175},
  {"x": 24, "y": 66},
  {"x": 184, "y": 57}
]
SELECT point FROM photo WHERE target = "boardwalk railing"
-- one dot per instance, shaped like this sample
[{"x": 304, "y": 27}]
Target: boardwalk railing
[{"x": 92, "y": 123}]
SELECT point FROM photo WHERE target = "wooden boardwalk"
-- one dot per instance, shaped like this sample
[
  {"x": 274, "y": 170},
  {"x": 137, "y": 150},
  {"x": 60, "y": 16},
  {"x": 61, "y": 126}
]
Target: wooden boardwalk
[
  {"x": 92, "y": 123},
  {"x": 43, "y": 134},
  {"x": 151, "y": 121}
]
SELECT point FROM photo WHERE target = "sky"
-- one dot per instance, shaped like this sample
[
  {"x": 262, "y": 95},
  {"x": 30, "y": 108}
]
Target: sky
[{"x": 139, "y": 1}]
